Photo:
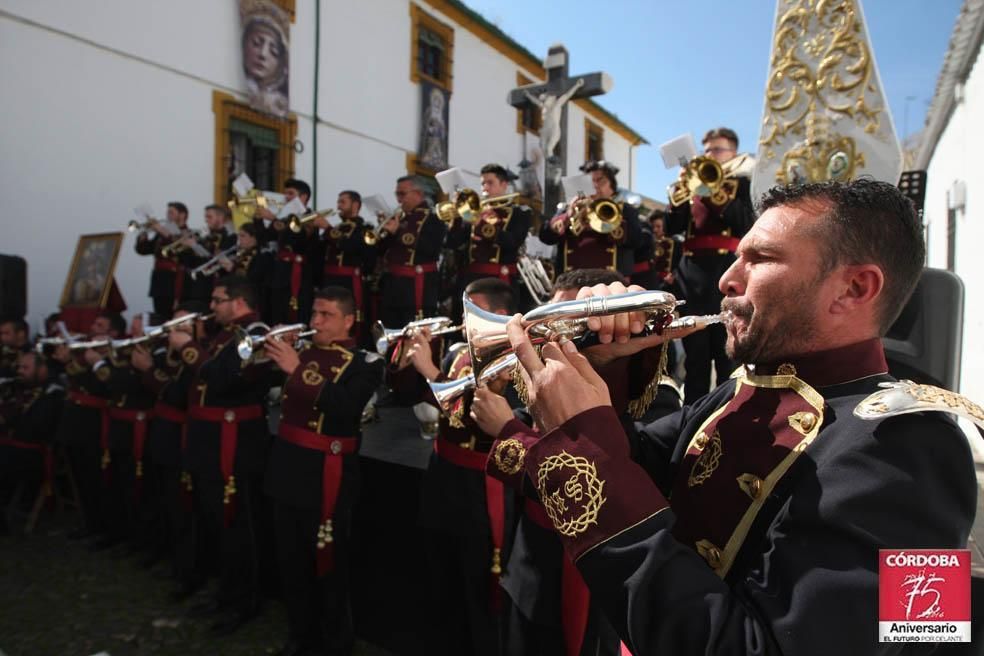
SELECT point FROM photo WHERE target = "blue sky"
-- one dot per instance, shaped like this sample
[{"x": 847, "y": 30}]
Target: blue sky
[{"x": 686, "y": 66}]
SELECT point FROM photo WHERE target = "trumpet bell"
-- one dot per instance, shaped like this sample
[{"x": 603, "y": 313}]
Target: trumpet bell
[
  {"x": 445, "y": 211},
  {"x": 468, "y": 205},
  {"x": 604, "y": 216},
  {"x": 448, "y": 392}
]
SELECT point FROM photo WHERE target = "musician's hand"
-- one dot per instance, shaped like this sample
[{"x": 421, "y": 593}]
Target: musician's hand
[
  {"x": 561, "y": 385},
  {"x": 616, "y": 327},
  {"x": 418, "y": 352},
  {"x": 226, "y": 263},
  {"x": 265, "y": 213},
  {"x": 559, "y": 224},
  {"x": 178, "y": 337},
  {"x": 188, "y": 240},
  {"x": 391, "y": 225},
  {"x": 61, "y": 353},
  {"x": 282, "y": 354},
  {"x": 320, "y": 222},
  {"x": 490, "y": 411},
  {"x": 141, "y": 359},
  {"x": 92, "y": 356},
  {"x": 669, "y": 279}
]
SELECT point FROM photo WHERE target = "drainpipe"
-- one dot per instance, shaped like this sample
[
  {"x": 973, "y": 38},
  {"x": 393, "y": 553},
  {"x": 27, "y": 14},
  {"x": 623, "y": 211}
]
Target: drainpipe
[{"x": 314, "y": 120}]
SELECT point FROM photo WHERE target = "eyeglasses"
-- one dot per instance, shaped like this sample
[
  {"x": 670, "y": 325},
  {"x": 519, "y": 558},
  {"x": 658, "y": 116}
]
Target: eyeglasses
[
  {"x": 718, "y": 149},
  {"x": 401, "y": 194}
]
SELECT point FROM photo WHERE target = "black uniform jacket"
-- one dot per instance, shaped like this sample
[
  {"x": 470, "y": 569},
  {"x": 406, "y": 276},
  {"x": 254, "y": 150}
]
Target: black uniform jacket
[{"x": 750, "y": 522}]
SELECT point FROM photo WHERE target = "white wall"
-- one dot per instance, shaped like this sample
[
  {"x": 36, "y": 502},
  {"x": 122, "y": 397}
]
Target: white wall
[
  {"x": 957, "y": 157},
  {"x": 112, "y": 107}
]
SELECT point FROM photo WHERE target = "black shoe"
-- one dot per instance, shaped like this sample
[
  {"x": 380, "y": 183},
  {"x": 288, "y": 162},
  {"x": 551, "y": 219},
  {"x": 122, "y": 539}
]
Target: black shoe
[
  {"x": 229, "y": 622},
  {"x": 206, "y": 608}
]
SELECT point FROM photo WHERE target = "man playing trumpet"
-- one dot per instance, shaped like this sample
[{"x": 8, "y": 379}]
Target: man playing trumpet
[
  {"x": 490, "y": 245},
  {"x": 168, "y": 278},
  {"x": 579, "y": 245},
  {"x": 740, "y": 519}
]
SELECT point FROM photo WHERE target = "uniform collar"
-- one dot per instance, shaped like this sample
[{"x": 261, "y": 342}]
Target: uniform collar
[
  {"x": 348, "y": 343},
  {"x": 244, "y": 320},
  {"x": 830, "y": 367}
]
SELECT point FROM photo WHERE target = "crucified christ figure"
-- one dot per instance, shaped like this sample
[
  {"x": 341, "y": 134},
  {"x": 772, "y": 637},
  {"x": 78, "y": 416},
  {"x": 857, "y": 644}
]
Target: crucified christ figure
[{"x": 550, "y": 111}]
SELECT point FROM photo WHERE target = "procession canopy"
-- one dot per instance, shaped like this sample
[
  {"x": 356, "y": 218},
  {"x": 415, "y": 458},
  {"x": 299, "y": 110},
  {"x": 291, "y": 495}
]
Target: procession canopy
[{"x": 825, "y": 114}]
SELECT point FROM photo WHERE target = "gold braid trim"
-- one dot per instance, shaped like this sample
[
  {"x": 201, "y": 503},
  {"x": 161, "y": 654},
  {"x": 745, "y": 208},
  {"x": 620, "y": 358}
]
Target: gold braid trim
[{"x": 637, "y": 407}]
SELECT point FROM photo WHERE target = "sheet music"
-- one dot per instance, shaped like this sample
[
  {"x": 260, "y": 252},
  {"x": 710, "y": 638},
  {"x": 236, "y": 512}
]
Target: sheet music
[
  {"x": 575, "y": 184},
  {"x": 678, "y": 151},
  {"x": 242, "y": 185},
  {"x": 374, "y": 205}
]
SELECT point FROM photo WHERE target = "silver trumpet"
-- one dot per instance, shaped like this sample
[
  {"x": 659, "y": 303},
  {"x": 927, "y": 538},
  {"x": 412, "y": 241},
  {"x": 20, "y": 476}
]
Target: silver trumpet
[
  {"x": 487, "y": 340},
  {"x": 386, "y": 337},
  {"x": 7, "y": 381},
  {"x": 249, "y": 344},
  {"x": 446, "y": 393},
  {"x": 213, "y": 266}
]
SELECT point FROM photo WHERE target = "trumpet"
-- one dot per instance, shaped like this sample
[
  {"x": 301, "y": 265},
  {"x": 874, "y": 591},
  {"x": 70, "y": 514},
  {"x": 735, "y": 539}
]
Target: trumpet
[
  {"x": 704, "y": 177},
  {"x": 43, "y": 342},
  {"x": 446, "y": 393},
  {"x": 386, "y": 337},
  {"x": 487, "y": 340},
  {"x": 372, "y": 237},
  {"x": 468, "y": 205},
  {"x": 178, "y": 246},
  {"x": 250, "y": 344},
  {"x": 296, "y": 223},
  {"x": 244, "y": 207},
  {"x": 603, "y": 215},
  {"x": 213, "y": 266},
  {"x": 8, "y": 381},
  {"x": 134, "y": 225}
]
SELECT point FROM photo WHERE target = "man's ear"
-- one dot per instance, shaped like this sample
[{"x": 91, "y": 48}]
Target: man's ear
[{"x": 861, "y": 285}]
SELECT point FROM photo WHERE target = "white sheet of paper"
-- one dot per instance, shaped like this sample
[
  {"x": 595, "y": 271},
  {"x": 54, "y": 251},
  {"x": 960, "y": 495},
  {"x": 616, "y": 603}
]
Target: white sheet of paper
[
  {"x": 678, "y": 151},
  {"x": 375, "y": 204},
  {"x": 334, "y": 220},
  {"x": 454, "y": 179},
  {"x": 293, "y": 207},
  {"x": 242, "y": 185},
  {"x": 575, "y": 184}
]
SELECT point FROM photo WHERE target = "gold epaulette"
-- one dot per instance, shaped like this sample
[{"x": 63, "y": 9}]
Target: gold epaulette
[{"x": 905, "y": 397}]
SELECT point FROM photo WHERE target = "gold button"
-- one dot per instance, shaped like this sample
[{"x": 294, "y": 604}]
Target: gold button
[
  {"x": 786, "y": 369},
  {"x": 313, "y": 425},
  {"x": 701, "y": 441},
  {"x": 141, "y": 416},
  {"x": 229, "y": 416},
  {"x": 808, "y": 421},
  {"x": 709, "y": 552},
  {"x": 336, "y": 447}
]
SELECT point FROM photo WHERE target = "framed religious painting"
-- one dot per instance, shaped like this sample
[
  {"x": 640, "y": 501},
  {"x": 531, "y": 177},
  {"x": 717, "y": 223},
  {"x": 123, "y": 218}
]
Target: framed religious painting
[{"x": 90, "y": 278}]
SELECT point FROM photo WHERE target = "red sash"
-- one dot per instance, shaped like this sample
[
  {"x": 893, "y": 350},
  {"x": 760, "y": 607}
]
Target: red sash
[
  {"x": 296, "y": 271},
  {"x": 417, "y": 273},
  {"x": 711, "y": 243},
  {"x": 229, "y": 418},
  {"x": 138, "y": 417},
  {"x": 331, "y": 482}
]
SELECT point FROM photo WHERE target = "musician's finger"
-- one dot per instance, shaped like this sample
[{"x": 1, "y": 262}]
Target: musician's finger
[
  {"x": 521, "y": 344},
  {"x": 581, "y": 364}
]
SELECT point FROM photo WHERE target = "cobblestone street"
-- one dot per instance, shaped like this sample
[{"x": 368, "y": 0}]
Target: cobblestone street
[{"x": 58, "y": 598}]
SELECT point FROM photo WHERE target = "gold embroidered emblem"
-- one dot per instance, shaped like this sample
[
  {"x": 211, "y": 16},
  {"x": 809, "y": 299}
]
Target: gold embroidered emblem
[
  {"x": 311, "y": 376},
  {"x": 160, "y": 376},
  {"x": 708, "y": 461},
  {"x": 574, "y": 504},
  {"x": 408, "y": 238},
  {"x": 509, "y": 456},
  {"x": 803, "y": 422},
  {"x": 786, "y": 369},
  {"x": 102, "y": 373},
  {"x": 751, "y": 485},
  {"x": 617, "y": 233},
  {"x": 659, "y": 251},
  {"x": 189, "y": 355},
  {"x": 488, "y": 231},
  {"x": 335, "y": 233}
]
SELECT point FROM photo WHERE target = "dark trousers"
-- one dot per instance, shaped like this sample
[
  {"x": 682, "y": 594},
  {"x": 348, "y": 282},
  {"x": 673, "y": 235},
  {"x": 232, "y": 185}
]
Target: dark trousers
[
  {"x": 465, "y": 605},
  {"x": 238, "y": 543},
  {"x": 119, "y": 495},
  {"x": 163, "y": 306},
  {"x": 702, "y": 348},
  {"x": 319, "y": 612},
  {"x": 196, "y": 540},
  {"x": 84, "y": 458}
]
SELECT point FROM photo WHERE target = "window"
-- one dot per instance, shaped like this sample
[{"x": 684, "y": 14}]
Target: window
[
  {"x": 528, "y": 119},
  {"x": 249, "y": 142},
  {"x": 431, "y": 49},
  {"x": 594, "y": 141}
]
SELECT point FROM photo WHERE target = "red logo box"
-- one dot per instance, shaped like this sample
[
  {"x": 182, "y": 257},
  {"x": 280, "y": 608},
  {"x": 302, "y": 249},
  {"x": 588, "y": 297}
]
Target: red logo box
[{"x": 924, "y": 595}]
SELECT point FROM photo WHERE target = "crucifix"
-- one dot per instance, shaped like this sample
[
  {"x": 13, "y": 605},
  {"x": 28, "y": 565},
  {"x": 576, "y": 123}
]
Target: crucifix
[{"x": 551, "y": 98}]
